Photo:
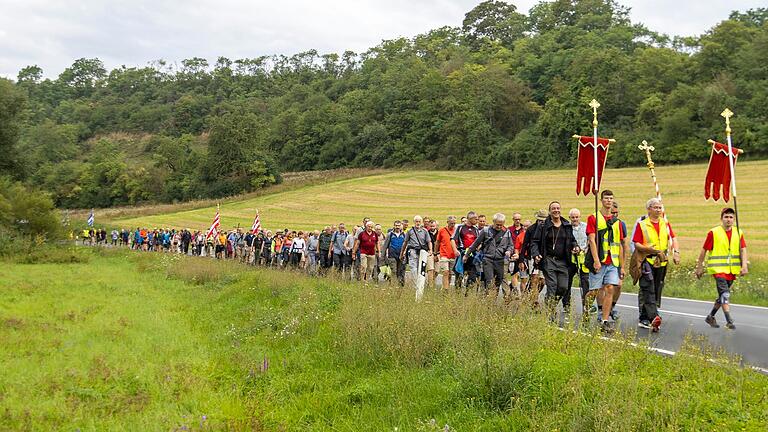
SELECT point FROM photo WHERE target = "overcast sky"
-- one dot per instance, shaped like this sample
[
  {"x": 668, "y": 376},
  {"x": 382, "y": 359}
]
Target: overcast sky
[{"x": 53, "y": 33}]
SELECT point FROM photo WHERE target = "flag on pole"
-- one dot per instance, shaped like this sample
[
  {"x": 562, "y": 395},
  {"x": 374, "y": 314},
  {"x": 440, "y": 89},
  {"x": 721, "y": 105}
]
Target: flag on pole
[
  {"x": 585, "y": 171},
  {"x": 718, "y": 180},
  {"x": 256, "y": 224},
  {"x": 214, "y": 229},
  {"x": 91, "y": 219}
]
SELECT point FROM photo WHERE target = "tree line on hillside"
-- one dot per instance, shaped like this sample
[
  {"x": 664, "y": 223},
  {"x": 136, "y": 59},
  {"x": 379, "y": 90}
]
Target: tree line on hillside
[{"x": 504, "y": 91}]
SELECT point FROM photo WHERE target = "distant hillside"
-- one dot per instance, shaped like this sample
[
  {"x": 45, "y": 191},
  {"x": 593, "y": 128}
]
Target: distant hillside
[{"x": 506, "y": 90}]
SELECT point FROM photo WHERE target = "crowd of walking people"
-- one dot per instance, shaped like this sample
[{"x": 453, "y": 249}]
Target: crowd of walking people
[{"x": 549, "y": 252}]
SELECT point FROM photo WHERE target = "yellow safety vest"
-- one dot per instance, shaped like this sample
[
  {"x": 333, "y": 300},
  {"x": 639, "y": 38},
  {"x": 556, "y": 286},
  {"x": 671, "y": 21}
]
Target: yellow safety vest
[
  {"x": 614, "y": 247},
  {"x": 579, "y": 259},
  {"x": 658, "y": 241},
  {"x": 725, "y": 256}
]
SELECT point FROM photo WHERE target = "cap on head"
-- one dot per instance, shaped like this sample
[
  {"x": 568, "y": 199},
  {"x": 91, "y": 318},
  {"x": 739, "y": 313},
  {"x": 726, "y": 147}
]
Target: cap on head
[{"x": 541, "y": 214}]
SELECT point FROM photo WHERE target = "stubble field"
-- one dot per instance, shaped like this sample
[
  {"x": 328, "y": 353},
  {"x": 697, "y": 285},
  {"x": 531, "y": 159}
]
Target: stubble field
[{"x": 397, "y": 195}]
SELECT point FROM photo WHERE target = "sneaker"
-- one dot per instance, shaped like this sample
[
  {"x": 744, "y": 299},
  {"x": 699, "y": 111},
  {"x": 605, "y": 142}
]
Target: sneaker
[
  {"x": 644, "y": 324},
  {"x": 614, "y": 315},
  {"x": 730, "y": 325},
  {"x": 655, "y": 324},
  {"x": 606, "y": 327},
  {"x": 711, "y": 321},
  {"x": 592, "y": 309}
]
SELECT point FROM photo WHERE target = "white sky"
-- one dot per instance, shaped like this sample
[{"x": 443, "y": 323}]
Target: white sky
[{"x": 53, "y": 33}]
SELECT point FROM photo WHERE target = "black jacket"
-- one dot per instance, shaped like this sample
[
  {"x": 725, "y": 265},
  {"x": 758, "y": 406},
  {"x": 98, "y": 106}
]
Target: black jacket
[{"x": 541, "y": 244}]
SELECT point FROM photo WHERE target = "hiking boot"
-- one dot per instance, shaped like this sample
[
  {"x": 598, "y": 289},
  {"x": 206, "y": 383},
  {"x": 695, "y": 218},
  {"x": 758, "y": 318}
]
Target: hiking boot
[
  {"x": 730, "y": 325},
  {"x": 711, "y": 321},
  {"x": 607, "y": 327},
  {"x": 655, "y": 324},
  {"x": 644, "y": 324}
]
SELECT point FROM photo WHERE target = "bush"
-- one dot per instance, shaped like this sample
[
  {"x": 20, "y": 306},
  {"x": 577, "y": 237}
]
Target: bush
[{"x": 27, "y": 213}]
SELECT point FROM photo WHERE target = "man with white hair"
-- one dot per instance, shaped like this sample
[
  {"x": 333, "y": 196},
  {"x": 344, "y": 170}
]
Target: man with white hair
[
  {"x": 653, "y": 239},
  {"x": 495, "y": 245},
  {"x": 416, "y": 240},
  {"x": 579, "y": 229}
]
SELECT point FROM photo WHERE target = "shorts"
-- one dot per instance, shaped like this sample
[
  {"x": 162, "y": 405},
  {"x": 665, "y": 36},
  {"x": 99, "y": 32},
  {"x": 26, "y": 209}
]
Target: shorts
[
  {"x": 723, "y": 290},
  {"x": 608, "y": 275},
  {"x": 430, "y": 262},
  {"x": 445, "y": 264}
]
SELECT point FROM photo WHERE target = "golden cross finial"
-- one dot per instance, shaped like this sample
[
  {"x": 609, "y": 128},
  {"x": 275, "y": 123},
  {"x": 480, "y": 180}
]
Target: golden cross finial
[
  {"x": 727, "y": 114},
  {"x": 648, "y": 149},
  {"x": 595, "y": 105}
]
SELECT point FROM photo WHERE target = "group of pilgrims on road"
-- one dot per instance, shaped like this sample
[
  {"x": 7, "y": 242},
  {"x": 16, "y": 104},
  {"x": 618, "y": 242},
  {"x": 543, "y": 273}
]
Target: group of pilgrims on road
[{"x": 490, "y": 258}]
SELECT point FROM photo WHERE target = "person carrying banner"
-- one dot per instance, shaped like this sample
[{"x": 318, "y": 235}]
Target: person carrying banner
[
  {"x": 605, "y": 256},
  {"x": 653, "y": 239},
  {"x": 727, "y": 258}
]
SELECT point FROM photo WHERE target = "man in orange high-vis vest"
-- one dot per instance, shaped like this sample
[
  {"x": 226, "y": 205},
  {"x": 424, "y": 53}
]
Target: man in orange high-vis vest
[{"x": 727, "y": 258}]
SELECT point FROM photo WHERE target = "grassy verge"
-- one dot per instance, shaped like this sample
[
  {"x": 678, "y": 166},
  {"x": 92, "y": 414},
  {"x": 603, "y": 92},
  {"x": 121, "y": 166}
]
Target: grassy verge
[
  {"x": 681, "y": 283},
  {"x": 143, "y": 342}
]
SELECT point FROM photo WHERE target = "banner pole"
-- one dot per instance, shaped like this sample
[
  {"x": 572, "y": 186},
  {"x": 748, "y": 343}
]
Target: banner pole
[
  {"x": 727, "y": 115},
  {"x": 596, "y": 181}
]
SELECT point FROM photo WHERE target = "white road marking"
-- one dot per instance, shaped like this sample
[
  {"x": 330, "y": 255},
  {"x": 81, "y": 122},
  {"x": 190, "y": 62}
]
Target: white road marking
[
  {"x": 660, "y": 350},
  {"x": 666, "y": 311}
]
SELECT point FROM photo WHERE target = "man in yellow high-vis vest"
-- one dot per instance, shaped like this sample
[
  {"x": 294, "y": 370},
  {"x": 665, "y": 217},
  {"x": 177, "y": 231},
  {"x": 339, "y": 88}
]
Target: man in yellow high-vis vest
[
  {"x": 727, "y": 259},
  {"x": 653, "y": 235},
  {"x": 606, "y": 256}
]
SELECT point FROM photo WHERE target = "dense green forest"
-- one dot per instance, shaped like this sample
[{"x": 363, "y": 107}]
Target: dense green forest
[{"x": 504, "y": 91}]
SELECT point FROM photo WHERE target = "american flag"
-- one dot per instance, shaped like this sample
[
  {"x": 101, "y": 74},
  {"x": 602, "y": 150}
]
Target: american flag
[
  {"x": 214, "y": 229},
  {"x": 256, "y": 224},
  {"x": 91, "y": 219}
]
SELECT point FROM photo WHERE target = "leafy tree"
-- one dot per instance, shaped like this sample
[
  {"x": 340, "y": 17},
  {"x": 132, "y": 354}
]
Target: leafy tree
[
  {"x": 496, "y": 21},
  {"x": 11, "y": 105}
]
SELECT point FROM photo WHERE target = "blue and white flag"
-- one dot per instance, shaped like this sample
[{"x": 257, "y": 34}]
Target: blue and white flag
[{"x": 90, "y": 219}]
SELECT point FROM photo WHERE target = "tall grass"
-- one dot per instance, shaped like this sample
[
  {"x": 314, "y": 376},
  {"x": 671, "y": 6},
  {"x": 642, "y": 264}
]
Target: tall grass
[{"x": 153, "y": 342}]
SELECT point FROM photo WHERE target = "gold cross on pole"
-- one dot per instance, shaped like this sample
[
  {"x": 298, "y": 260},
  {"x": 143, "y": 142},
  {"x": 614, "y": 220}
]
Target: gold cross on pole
[
  {"x": 595, "y": 105},
  {"x": 648, "y": 149},
  {"x": 727, "y": 114}
]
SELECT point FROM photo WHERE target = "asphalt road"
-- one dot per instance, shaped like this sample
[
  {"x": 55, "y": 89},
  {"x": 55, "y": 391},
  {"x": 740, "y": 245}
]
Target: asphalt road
[{"x": 683, "y": 317}]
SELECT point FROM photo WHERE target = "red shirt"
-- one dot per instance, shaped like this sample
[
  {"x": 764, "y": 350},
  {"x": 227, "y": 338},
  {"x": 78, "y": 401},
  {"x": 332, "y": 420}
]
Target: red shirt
[
  {"x": 638, "y": 237},
  {"x": 709, "y": 244},
  {"x": 368, "y": 242},
  {"x": 519, "y": 239},
  {"x": 444, "y": 240},
  {"x": 592, "y": 229},
  {"x": 468, "y": 235}
]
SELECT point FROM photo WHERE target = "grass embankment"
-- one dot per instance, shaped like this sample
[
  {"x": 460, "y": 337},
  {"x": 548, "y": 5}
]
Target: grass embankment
[{"x": 144, "y": 342}]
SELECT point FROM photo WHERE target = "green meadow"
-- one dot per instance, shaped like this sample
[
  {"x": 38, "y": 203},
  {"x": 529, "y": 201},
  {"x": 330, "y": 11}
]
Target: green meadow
[{"x": 122, "y": 341}]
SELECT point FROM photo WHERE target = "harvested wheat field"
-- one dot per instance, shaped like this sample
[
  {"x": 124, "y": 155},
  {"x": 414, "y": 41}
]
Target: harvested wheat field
[{"x": 397, "y": 195}]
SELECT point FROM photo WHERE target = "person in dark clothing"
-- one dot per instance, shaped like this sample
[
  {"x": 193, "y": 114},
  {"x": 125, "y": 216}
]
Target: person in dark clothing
[
  {"x": 186, "y": 239},
  {"x": 324, "y": 245},
  {"x": 527, "y": 264},
  {"x": 495, "y": 245},
  {"x": 462, "y": 240},
  {"x": 552, "y": 247}
]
